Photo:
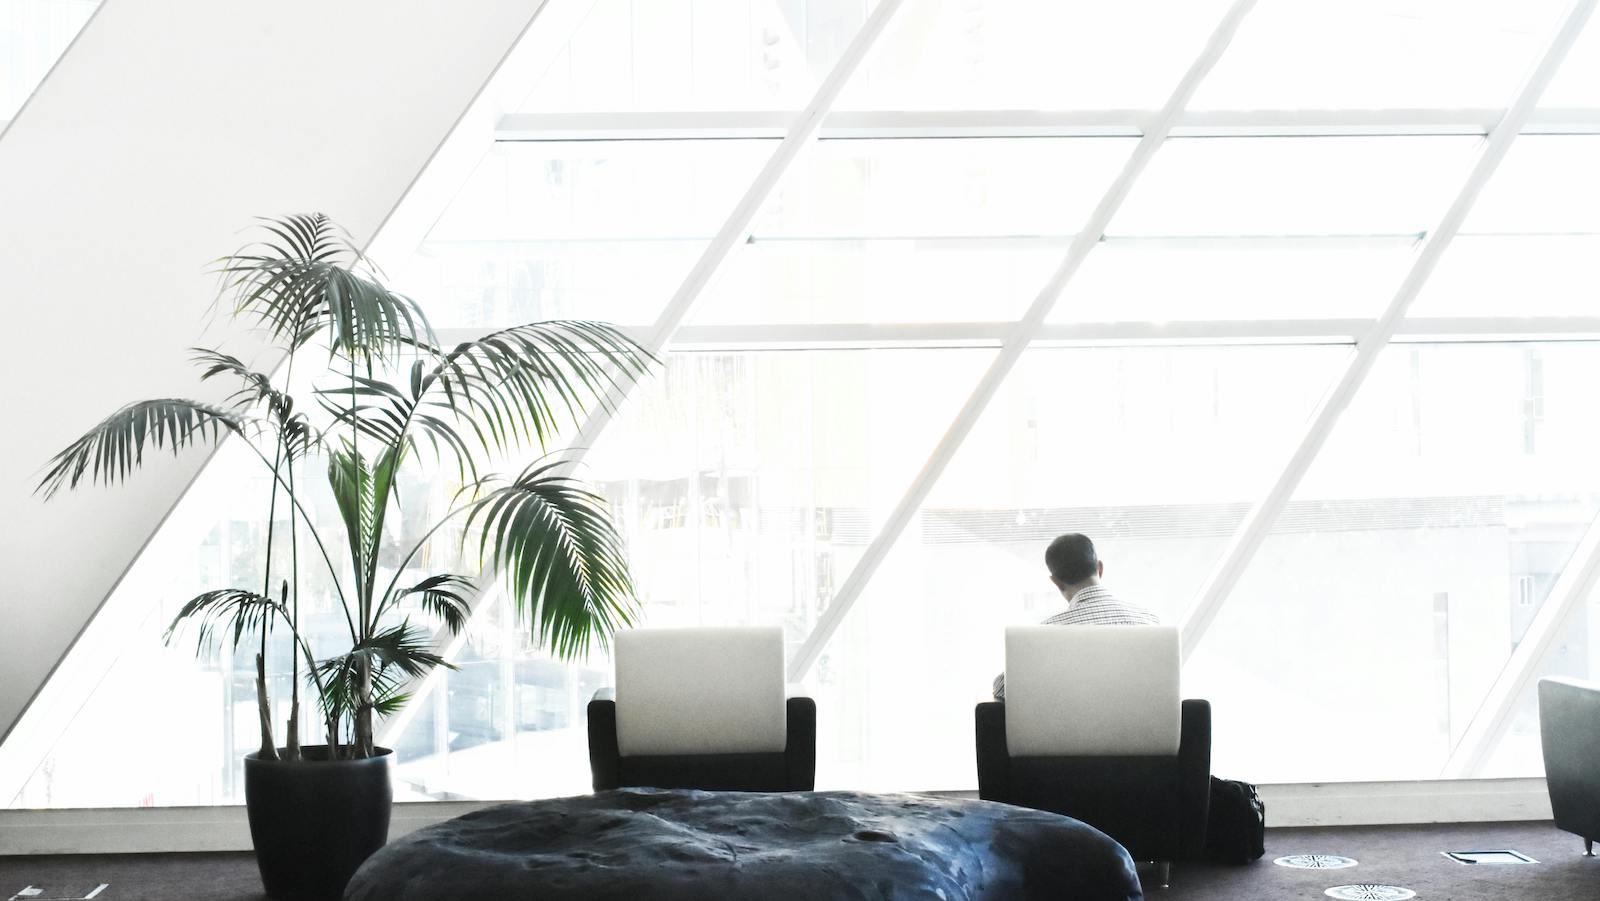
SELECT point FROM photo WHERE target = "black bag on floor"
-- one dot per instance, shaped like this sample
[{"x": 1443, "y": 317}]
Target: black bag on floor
[{"x": 1236, "y": 829}]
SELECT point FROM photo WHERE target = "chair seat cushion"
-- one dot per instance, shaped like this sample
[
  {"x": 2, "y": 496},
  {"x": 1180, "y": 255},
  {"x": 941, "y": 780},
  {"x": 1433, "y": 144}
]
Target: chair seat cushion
[{"x": 664, "y": 845}]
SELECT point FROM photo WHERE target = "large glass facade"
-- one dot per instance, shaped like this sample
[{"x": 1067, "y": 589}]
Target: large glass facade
[{"x": 820, "y": 371}]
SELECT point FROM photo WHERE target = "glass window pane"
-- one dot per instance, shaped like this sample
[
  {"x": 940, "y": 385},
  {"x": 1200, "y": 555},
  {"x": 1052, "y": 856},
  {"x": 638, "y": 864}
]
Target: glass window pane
[
  {"x": 914, "y": 231},
  {"x": 978, "y": 187},
  {"x": 1577, "y": 82},
  {"x": 1546, "y": 184},
  {"x": 1574, "y": 654},
  {"x": 747, "y": 486},
  {"x": 1033, "y": 54},
  {"x": 597, "y": 230},
  {"x": 1380, "y": 54},
  {"x": 1171, "y": 280},
  {"x": 1514, "y": 275},
  {"x": 1154, "y": 452},
  {"x": 749, "y": 483},
  {"x": 1391, "y": 186},
  {"x": 644, "y": 55},
  {"x": 1531, "y": 246},
  {"x": 1392, "y": 589}
]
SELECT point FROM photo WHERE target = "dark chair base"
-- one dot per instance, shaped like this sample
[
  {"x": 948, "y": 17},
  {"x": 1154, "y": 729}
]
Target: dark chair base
[
  {"x": 794, "y": 769},
  {"x": 1155, "y": 806}
]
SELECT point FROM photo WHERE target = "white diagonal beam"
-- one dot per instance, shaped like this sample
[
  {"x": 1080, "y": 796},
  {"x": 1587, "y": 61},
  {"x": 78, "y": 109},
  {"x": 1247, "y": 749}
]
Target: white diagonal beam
[
  {"x": 1578, "y": 579},
  {"x": 735, "y": 231},
  {"x": 1258, "y": 522},
  {"x": 1020, "y": 335}
]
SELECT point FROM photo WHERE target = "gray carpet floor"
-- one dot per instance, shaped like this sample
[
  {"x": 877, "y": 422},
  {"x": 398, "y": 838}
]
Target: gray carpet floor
[
  {"x": 1406, "y": 856},
  {"x": 1396, "y": 855}
]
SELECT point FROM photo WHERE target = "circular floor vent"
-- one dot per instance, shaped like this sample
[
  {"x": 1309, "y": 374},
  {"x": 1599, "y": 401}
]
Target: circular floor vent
[
  {"x": 1368, "y": 892},
  {"x": 1316, "y": 861}
]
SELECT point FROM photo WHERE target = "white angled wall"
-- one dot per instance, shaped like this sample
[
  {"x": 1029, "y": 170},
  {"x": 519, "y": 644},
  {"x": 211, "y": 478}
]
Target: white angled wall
[{"x": 162, "y": 131}]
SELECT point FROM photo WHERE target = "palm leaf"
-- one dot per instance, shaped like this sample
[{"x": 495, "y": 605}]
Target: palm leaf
[
  {"x": 116, "y": 446},
  {"x": 237, "y": 609},
  {"x": 393, "y": 656},
  {"x": 256, "y": 389},
  {"x": 351, "y": 479},
  {"x": 513, "y": 385},
  {"x": 302, "y": 279},
  {"x": 446, "y": 596},
  {"x": 563, "y": 560}
]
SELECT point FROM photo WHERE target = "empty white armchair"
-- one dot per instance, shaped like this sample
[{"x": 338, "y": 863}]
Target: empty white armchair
[
  {"x": 1569, "y": 730},
  {"x": 702, "y": 708},
  {"x": 1093, "y": 726}
]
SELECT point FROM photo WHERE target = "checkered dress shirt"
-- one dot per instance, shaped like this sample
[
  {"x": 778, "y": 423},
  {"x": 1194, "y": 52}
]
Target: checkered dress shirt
[{"x": 1092, "y": 606}]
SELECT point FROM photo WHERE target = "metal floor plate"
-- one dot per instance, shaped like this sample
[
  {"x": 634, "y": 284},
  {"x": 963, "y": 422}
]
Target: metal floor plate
[
  {"x": 1316, "y": 861},
  {"x": 1367, "y": 891},
  {"x": 1501, "y": 856}
]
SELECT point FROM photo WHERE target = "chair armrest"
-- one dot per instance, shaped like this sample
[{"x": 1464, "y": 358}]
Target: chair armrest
[
  {"x": 994, "y": 761},
  {"x": 605, "y": 758},
  {"x": 800, "y": 748},
  {"x": 1194, "y": 779}
]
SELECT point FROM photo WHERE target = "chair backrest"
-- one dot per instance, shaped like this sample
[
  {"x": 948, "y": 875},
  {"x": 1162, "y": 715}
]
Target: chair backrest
[
  {"x": 1569, "y": 732},
  {"x": 1090, "y": 691},
  {"x": 700, "y": 691}
]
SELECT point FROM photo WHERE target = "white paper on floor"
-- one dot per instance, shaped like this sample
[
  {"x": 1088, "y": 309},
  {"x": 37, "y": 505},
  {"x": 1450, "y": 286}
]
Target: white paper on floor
[
  {"x": 81, "y": 892},
  {"x": 1502, "y": 856}
]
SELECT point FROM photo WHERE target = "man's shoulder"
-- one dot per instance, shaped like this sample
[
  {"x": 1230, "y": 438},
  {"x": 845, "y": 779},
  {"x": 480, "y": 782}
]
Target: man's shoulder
[{"x": 1103, "y": 608}]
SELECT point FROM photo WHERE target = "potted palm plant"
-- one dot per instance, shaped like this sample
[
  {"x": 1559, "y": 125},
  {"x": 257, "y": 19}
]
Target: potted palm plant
[{"x": 386, "y": 396}]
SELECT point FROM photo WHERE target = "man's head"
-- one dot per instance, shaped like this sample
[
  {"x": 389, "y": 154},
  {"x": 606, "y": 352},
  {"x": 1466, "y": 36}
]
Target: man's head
[{"x": 1072, "y": 561}]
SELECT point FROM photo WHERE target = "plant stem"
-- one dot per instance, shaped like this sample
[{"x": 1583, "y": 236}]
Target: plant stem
[
  {"x": 269, "y": 749},
  {"x": 292, "y": 748},
  {"x": 362, "y": 738},
  {"x": 333, "y": 571},
  {"x": 388, "y": 592}
]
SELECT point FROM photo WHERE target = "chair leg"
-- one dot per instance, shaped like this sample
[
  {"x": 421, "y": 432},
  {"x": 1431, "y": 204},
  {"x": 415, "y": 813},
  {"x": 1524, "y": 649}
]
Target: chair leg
[
  {"x": 1588, "y": 847},
  {"x": 1164, "y": 874}
]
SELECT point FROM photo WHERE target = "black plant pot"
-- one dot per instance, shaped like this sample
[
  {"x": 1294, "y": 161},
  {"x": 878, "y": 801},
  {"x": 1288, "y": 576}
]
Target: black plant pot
[{"x": 314, "y": 821}]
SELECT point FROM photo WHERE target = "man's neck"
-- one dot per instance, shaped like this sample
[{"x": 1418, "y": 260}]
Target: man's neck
[{"x": 1073, "y": 591}]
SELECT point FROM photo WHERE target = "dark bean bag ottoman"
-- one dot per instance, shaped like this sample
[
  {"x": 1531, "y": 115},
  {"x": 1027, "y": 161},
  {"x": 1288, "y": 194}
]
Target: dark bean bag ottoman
[{"x": 665, "y": 845}]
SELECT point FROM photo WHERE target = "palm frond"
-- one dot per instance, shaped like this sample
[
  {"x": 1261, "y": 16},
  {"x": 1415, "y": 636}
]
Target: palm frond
[
  {"x": 350, "y": 477},
  {"x": 390, "y": 702},
  {"x": 564, "y": 562},
  {"x": 238, "y": 610},
  {"x": 445, "y": 596},
  {"x": 514, "y": 385},
  {"x": 303, "y": 278},
  {"x": 392, "y": 656},
  {"x": 256, "y": 388},
  {"x": 116, "y": 446},
  {"x": 371, "y": 407},
  {"x": 380, "y": 410}
]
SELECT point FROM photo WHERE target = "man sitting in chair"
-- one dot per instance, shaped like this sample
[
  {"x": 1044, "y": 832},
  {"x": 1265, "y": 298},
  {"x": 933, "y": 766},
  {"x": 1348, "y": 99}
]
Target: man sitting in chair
[{"x": 1076, "y": 571}]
